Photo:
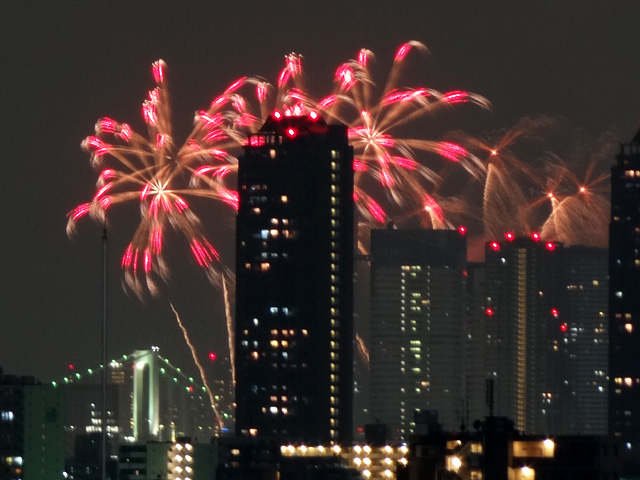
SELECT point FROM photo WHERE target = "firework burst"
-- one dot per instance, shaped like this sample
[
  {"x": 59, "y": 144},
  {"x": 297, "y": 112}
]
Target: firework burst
[
  {"x": 540, "y": 196},
  {"x": 382, "y": 159},
  {"x": 155, "y": 173},
  {"x": 389, "y": 160}
]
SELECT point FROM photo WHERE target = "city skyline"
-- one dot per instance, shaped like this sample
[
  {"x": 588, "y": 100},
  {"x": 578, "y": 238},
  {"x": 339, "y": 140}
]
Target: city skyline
[{"x": 58, "y": 89}]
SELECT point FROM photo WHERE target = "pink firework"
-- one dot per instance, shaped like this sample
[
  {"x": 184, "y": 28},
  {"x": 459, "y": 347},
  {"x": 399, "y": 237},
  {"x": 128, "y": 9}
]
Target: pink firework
[
  {"x": 398, "y": 165},
  {"x": 404, "y": 168},
  {"x": 155, "y": 173}
]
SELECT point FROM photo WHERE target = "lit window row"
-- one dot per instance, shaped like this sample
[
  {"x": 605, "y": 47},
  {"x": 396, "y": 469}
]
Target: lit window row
[{"x": 626, "y": 381}]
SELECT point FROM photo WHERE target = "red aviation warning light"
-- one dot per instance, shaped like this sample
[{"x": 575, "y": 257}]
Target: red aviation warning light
[
  {"x": 535, "y": 236},
  {"x": 551, "y": 246},
  {"x": 554, "y": 312},
  {"x": 509, "y": 236},
  {"x": 563, "y": 327},
  {"x": 489, "y": 312},
  {"x": 291, "y": 132},
  {"x": 277, "y": 115},
  {"x": 462, "y": 230},
  {"x": 212, "y": 356},
  {"x": 313, "y": 115},
  {"x": 495, "y": 246}
]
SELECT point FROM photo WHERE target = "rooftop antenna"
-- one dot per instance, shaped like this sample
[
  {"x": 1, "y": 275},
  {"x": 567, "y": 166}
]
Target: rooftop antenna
[
  {"x": 489, "y": 395},
  {"x": 103, "y": 459}
]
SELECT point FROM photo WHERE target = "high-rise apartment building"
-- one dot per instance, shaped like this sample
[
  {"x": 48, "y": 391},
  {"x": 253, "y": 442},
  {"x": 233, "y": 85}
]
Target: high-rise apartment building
[
  {"x": 294, "y": 267},
  {"x": 624, "y": 297},
  {"x": 525, "y": 331},
  {"x": 587, "y": 338},
  {"x": 31, "y": 429},
  {"x": 417, "y": 312},
  {"x": 542, "y": 335}
]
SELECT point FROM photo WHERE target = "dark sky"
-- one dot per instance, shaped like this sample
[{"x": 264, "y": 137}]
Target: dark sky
[{"x": 66, "y": 64}]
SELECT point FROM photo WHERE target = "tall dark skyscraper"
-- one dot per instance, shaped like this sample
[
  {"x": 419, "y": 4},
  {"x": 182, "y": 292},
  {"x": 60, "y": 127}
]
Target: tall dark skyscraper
[
  {"x": 417, "y": 314},
  {"x": 537, "y": 327},
  {"x": 586, "y": 339},
  {"x": 624, "y": 297},
  {"x": 294, "y": 294},
  {"x": 525, "y": 332}
]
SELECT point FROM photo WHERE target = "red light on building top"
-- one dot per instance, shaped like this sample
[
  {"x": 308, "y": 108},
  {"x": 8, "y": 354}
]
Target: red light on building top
[
  {"x": 563, "y": 327},
  {"x": 535, "y": 236},
  {"x": 291, "y": 132},
  {"x": 551, "y": 246},
  {"x": 277, "y": 115},
  {"x": 495, "y": 246},
  {"x": 313, "y": 115},
  {"x": 462, "y": 230},
  {"x": 509, "y": 236},
  {"x": 212, "y": 356},
  {"x": 71, "y": 367},
  {"x": 489, "y": 311},
  {"x": 554, "y": 312}
]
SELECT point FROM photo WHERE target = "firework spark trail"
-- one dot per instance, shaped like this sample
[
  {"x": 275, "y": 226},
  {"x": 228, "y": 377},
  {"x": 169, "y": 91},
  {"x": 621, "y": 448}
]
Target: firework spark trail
[
  {"x": 551, "y": 199},
  {"x": 154, "y": 173},
  {"x": 363, "y": 351},
  {"x": 579, "y": 208},
  {"x": 198, "y": 364},
  {"x": 387, "y": 159},
  {"x": 159, "y": 176},
  {"x": 230, "y": 330},
  {"x": 389, "y": 162}
]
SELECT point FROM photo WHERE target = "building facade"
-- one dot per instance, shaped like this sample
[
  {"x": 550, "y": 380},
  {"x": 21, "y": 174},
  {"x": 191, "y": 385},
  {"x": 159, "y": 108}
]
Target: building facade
[
  {"x": 624, "y": 300},
  {"x": 524, "y": 309},
  {"x": 31, "y": 430},
  {"x": 542, "y": 335},
  {"x": 417, "y": 312},
  {"x": 294, "y": 267},
  {"x": 587, "y": 336}
]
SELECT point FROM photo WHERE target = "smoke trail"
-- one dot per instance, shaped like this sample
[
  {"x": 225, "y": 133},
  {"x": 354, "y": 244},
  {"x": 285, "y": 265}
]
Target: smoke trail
[
  {"x": 198, "y": 364},
  {"x": 230, "y": 332}
]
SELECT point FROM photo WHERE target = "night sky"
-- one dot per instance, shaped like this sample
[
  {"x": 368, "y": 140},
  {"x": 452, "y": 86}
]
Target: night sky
[{"x": 66, "y": 64}]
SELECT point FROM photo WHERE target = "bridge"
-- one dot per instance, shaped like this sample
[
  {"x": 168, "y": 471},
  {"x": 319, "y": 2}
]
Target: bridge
[{"x": 148, "y": 398}]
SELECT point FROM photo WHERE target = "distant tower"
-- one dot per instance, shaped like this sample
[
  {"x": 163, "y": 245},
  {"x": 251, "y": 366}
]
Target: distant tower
[
  {"x": 624, "y": 297},
  {"x": 537, "y": 327},
  {"x": 294, "y": 266},
  {"x": 146, "y": 408},
  {"x": 587, "y": 288},
  {"x": 417, "y": 312},
  {"x": 526, "y": 326}
]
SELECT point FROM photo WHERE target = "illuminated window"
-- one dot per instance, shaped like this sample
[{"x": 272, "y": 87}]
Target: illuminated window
[{"x": 7, "y": 416}]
